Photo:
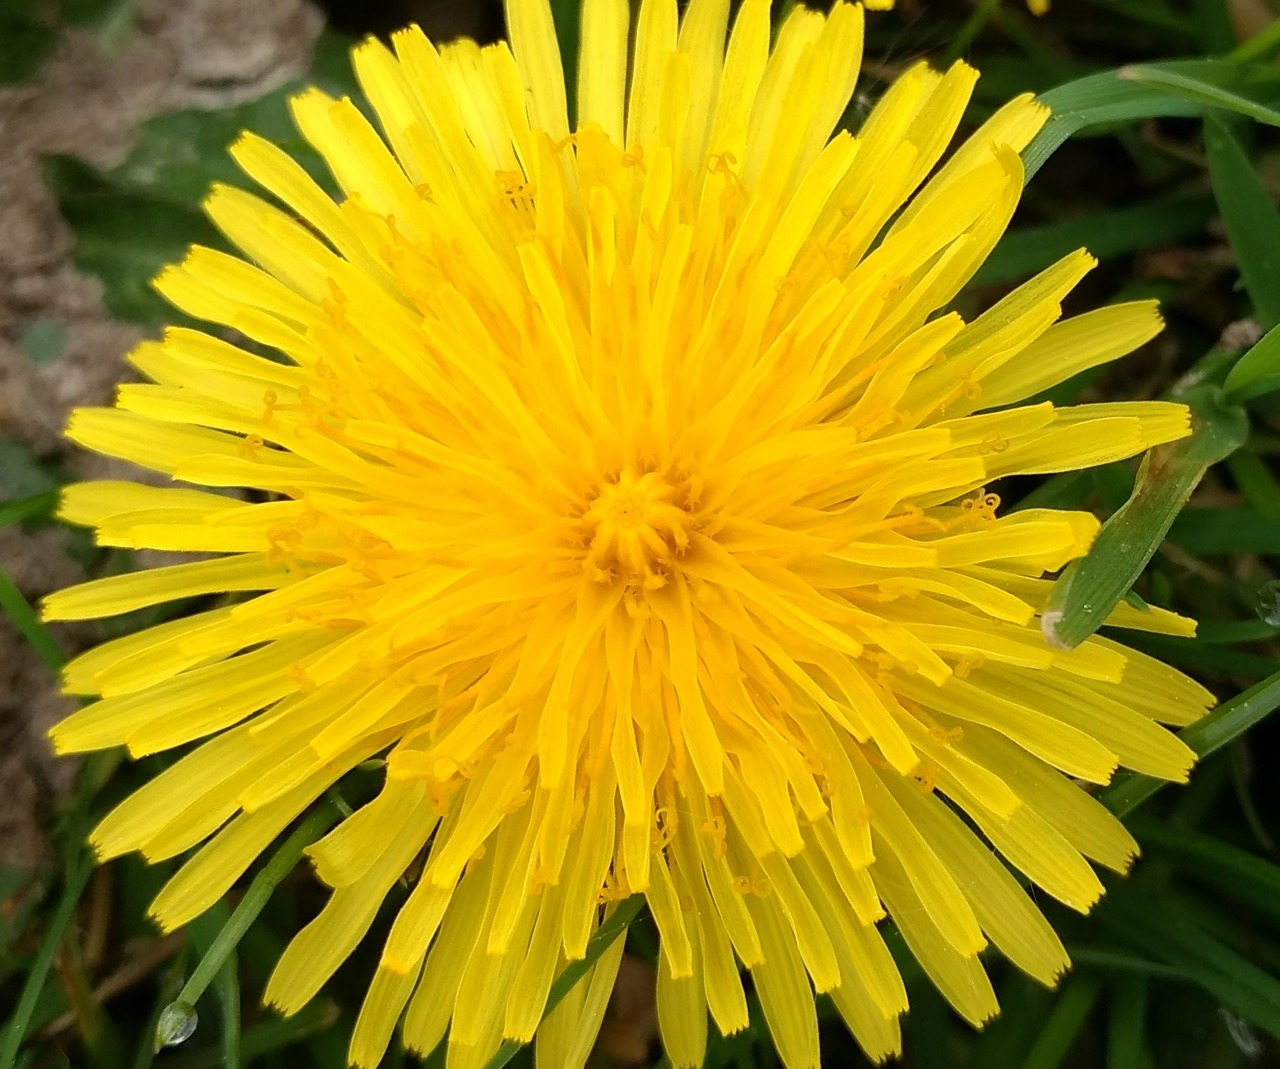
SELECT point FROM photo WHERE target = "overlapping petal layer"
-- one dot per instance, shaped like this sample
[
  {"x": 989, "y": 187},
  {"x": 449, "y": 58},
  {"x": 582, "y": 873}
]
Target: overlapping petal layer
[{"x": 626, "y": 488}]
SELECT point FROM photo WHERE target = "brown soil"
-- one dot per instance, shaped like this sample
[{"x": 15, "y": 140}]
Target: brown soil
[{"x": 88, "y": 102}]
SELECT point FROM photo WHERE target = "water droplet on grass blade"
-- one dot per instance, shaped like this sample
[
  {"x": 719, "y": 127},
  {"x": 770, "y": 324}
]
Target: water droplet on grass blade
[
  {"x": 177, "y": 1024},
  {"x": 1268, "y": 602},
  {"x": 1241, "y": 1034}
]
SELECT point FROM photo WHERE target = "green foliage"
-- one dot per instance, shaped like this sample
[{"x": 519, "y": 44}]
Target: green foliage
[
  {"x": 1157, "y": 922},
  {"x": 1090, "y": 588},
  {"x": 601, "y": 940},
  {"x": 1150, "y": 90},
  {"x": 1258, "y": 371},
  {"x": 220, "y": 949},
  {"x": 1251, "y": 220},
  {"x": 1214, "y": 84},
  {"x": 1178, "y": 965},
  {"x": 125, "y": 235},
  {"x": 1228, "y": 722}
]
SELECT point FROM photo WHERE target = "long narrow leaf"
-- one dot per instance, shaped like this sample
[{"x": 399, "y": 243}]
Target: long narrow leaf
[
  {"x": 1261, "y": 45},
  {"x": 1247, "y": 89},
  {"x": 24, "y": 619},
  {"x": 1257, "y": 372},
  {"x": 16, "y": 1030},
  {"x": 1225, "y": 724},
  {"x": 1098, "y": 100},
  {"x": 228, "y": 988},
  {"x": 1250, "y": 218},
  {"x": 1147, "y": 922},
  {"x": 613, "y": 927},
  {"x": 1057, "y": 1034},
  {"x": 224, "y": 944},
  {"x": 1152, "y": 90},
  {"x": 38, "y": 506},
  {"x": 1091, "y": 587},
  {"x": 1126, "y": 1023}
]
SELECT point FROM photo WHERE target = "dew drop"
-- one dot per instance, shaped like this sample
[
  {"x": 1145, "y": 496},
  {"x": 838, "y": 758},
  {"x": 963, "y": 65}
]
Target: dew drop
[
  {"x": 1268, "y": 603},
  {"x": 177, "y": 1024}
]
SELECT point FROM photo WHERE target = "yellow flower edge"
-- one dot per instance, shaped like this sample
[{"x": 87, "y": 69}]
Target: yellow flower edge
[{"x": 626, "y": 488}]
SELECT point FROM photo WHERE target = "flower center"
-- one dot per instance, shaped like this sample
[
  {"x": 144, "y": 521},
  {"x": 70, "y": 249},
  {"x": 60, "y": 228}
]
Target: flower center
[{"x": 635, "y": 527}]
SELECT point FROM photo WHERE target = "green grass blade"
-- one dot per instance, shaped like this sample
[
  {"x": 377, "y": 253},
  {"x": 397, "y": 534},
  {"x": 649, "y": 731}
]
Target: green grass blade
[
  {"x": 1261, "y": 45},
  {"x": 1127, "y": 1024},
  {"x": 1246, "y": 89},
  {"x": 224, "y": 944},
  {"x": 205, "y": 931},
  {"x": 1098, "y": 100},
  {"x": 1146, "y": 921},
  {"x": 38, "y": 506},
  {"x": 1250, "y": 218},
  {"x": 1057, "y": 1035},
  {"x": 28, "y": 625},
  {"x": 15, "y": 1031},
  {"x": 227, "y": 987},
  {"x": 1257, "y": 372},
  {"x": 613, "y": 927},
  {"x": 1149, "y": 91},
  {"x": 1226, "y": 723},
  {"x": 1091, "y": 587},
  {"x": 1232, "y": 719},
  {"x": 1126, "y": 963}
]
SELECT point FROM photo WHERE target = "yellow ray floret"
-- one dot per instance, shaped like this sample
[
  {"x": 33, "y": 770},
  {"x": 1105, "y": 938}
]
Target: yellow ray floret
[{"x": 624, "y": 491}]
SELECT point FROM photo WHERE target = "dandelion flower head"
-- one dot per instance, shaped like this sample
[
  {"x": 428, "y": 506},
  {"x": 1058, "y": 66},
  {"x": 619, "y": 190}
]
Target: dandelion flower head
[{"x": 623, "y": 488}]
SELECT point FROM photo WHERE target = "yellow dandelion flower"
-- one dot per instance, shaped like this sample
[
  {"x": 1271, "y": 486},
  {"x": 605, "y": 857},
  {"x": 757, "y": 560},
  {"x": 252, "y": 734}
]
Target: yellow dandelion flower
[{"x": 625, "y": 490}]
